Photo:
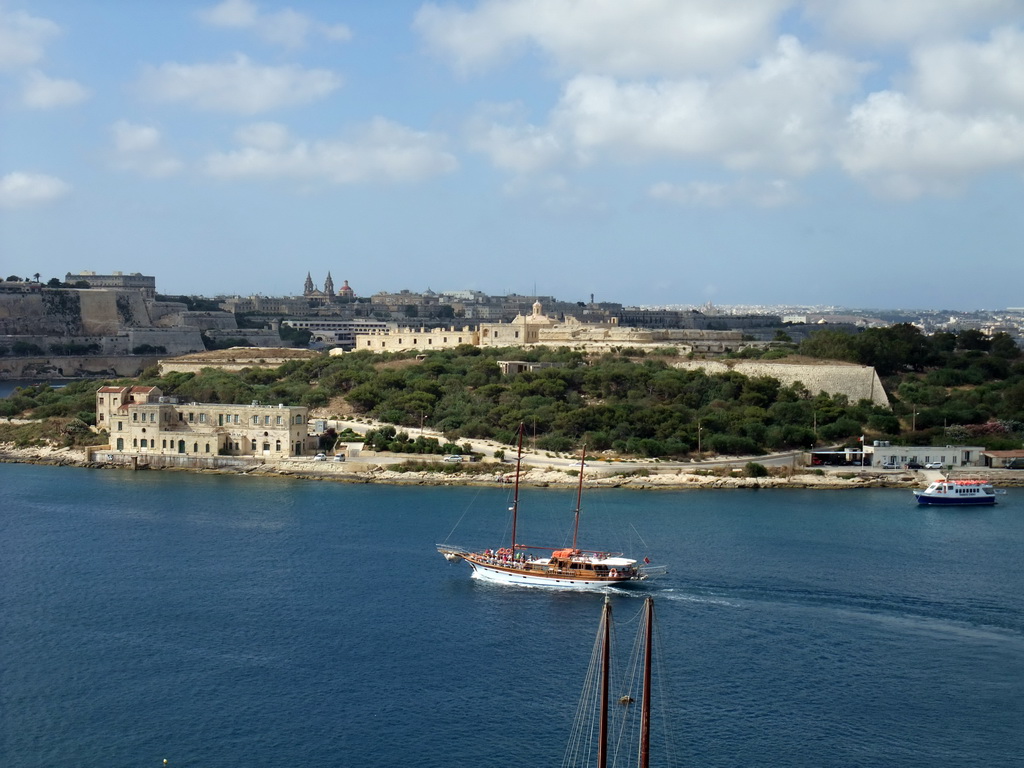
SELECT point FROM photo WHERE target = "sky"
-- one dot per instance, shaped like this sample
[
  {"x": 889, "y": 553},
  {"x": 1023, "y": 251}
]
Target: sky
[{"x": 857, "y": 153}]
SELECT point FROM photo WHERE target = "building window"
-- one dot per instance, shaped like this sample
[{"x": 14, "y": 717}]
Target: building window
[
  {"x": 135, "y": 417},
  {"x": 254, "y": 446},
  {"x": 207, "y": 447},
  {"x": 236, "y": 418},
  {"x": 191, "y": 418},
  {"x": 278, "y": 421},
  {"x": 144, "y": 444},
  {"x": 120, "y": 426},
  {"x": 163, "y": 444},
  {"x": 202, "y": 418},
  {"x": 298, "y": 418},
  {"x": 135, "y": 443},
  {"x": 195, "y": 447},
  {"x": 277, "y": 446},
  {"x": 256, "y": 420},
  {"x": 266, "y": 420},
  {"x": 101, "y": 417}
]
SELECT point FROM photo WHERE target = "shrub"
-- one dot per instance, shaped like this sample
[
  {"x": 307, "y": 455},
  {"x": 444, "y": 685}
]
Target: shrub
[{"x": 753, "y": 469}]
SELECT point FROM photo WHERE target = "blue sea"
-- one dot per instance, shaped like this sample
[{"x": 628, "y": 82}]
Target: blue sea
[{"x": 218, "y": 621}]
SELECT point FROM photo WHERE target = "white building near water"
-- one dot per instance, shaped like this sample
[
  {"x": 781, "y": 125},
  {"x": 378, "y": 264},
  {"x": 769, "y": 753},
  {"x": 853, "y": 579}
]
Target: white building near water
[{"x": 883, "y": 454}]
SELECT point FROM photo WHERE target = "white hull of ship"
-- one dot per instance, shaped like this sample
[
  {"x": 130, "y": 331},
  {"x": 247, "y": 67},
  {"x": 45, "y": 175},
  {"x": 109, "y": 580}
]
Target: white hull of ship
[{"x": 535, "y": 579}]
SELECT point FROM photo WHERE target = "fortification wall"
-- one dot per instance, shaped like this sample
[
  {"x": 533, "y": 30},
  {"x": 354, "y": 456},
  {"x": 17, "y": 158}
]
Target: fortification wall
[
  {"x": 99, "y": 313},
  {"x": 857, "y": 382}
]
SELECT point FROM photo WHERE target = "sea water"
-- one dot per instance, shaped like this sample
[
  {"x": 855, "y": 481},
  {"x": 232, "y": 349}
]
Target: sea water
[{"x": 228, "y": 621}]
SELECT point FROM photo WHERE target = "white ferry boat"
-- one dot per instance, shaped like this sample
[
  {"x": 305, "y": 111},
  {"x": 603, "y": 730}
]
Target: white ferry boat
[{"x": 957, "y": 492}]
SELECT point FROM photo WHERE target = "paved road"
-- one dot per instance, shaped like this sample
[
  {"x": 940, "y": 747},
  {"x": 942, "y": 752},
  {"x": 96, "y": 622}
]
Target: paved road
[{"x": 541, "y": 459}]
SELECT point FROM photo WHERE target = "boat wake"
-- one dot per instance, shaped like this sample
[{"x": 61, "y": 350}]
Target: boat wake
[{"x": 962, "y": 621}]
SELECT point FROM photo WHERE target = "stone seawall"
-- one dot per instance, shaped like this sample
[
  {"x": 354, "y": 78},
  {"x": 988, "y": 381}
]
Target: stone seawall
[
  {"x": 857, "y": 382},
  {"x": 85, "y": 367}
]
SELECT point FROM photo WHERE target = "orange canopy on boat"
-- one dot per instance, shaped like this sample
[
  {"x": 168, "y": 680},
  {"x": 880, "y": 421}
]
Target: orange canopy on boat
[{"x": 562, "y": 553}]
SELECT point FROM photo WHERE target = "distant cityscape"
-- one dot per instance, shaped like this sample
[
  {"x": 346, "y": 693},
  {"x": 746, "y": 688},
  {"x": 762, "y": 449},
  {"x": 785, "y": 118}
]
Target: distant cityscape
[
  {"x": 109, "y": 320},
  {"x": 429, "y": 308}
]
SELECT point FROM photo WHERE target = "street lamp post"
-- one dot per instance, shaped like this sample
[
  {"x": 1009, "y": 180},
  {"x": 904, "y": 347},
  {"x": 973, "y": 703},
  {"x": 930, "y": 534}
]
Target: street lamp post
[{"x": 699, "y": 430}]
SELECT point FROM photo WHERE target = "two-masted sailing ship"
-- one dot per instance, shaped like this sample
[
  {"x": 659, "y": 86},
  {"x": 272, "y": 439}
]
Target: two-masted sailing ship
[{"x": 565, "y": 567}]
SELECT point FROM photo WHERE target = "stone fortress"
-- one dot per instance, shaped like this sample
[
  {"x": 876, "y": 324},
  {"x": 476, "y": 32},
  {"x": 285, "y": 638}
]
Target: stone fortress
[
  {"x": 114, "y": 325},
  {"x": 538, "y": 329}
]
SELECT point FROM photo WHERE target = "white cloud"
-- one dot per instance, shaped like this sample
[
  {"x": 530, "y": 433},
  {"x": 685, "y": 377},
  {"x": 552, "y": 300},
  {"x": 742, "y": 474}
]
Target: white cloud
[
  {"x": 379, "y": 151},
  {"x": 905, "y": 150},
  {"x": 23, "y": 38},
  {"x": 778, "y": 115},
  {"x": 231, "y": 13},
  {"x": 268, "y": 136},
  {"x": 516, "y": 147},
  {"x": 139, "y": 149},
  {"x": 240, "y": 86},
  {"x": 556, "y": 195},
  {"x": 635, "y": 38},
  {"x": 763, "y": 194},
  {"x": 887, "y": 22},
  {"x": 965, "y": 75},
  {"x": 42, "y": 92},
  {"x": 287, "y": 28},
  {"x": 20, "y": 190}
]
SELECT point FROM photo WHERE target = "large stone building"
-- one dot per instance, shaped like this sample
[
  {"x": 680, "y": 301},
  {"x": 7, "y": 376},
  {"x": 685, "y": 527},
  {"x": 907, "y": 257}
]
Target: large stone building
[
  {"x": 332, "y": 332},
  {"x": 145, "y": 284},
  {"x": 141, "y": 420},
  {"x": 538, "y": 329}
]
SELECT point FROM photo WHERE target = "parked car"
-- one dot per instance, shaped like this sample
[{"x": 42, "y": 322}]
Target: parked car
[
  {"x": 339, "y": 457},
  {"x": 453, "y": 458},
  {"x": 890, "y": 465},
  {"x": 933, "y": 465},
  {"x": 914, "y": 465},
  {"x": 320, "y": 457}
]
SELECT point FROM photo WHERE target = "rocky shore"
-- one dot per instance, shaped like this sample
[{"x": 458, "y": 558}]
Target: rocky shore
[{"x": 664, "y": 479}]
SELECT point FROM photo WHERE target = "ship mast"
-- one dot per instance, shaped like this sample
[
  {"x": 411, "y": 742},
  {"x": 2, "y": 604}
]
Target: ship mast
[
  {"x": 579, "y": 497},
  {"x": 515, "y": 495},
  {"x": 606, "y": 625},
  {"x": 645, "y": 705}
]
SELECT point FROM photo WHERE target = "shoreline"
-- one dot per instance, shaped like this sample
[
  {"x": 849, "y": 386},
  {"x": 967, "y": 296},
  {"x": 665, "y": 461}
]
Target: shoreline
[{"x": 370, "y": 472}]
